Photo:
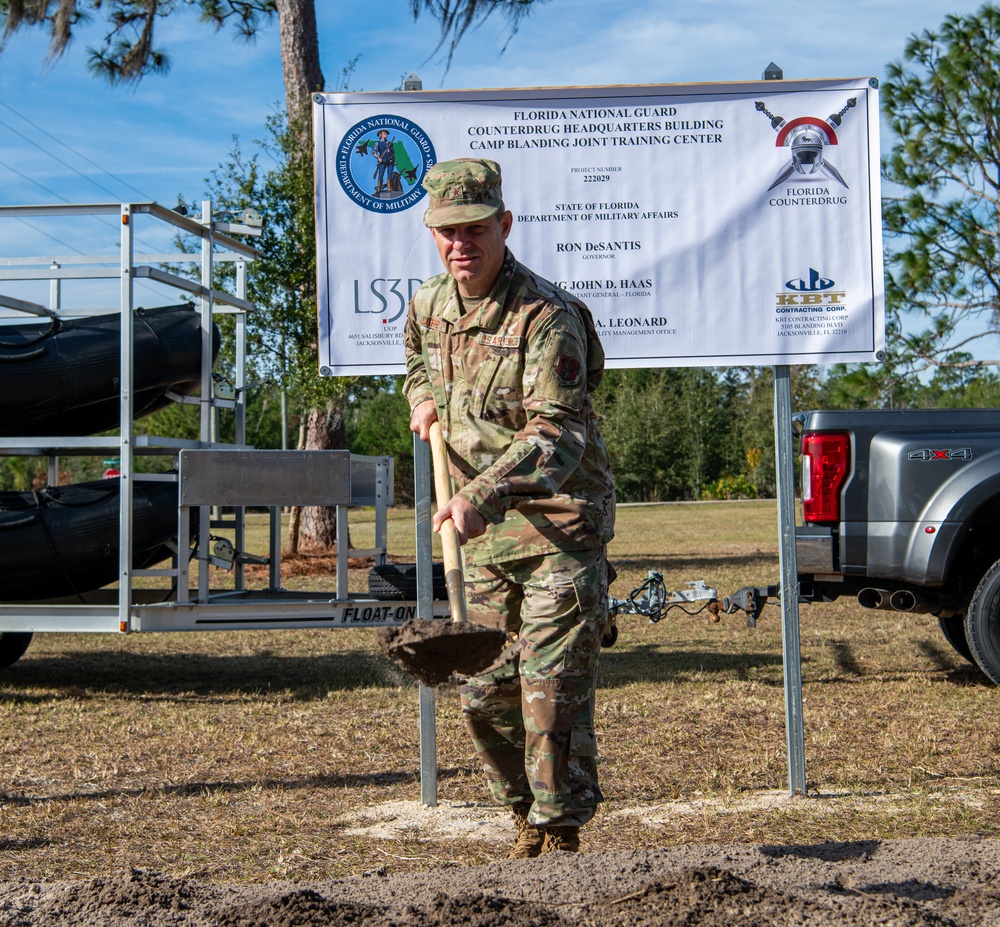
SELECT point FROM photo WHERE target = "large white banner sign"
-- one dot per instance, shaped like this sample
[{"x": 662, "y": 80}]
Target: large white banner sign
[{"x": 712, "y": 224}]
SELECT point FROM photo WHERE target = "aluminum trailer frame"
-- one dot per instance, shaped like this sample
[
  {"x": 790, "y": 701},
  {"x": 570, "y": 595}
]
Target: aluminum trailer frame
[{"x": 211, "y": 474}]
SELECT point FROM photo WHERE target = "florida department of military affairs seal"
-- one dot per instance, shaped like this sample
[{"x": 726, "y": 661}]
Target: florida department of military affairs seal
[{"x": 381, "y": 161}]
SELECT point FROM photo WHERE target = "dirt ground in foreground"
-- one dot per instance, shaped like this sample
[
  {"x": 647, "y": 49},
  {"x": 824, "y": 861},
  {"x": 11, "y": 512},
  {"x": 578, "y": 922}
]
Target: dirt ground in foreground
[{"x": 903, "y": 882}]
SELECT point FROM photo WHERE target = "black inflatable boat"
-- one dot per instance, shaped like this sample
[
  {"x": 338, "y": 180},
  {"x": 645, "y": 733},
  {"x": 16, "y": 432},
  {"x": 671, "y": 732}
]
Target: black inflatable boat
[
  {"x": 62, "y": 377},
  {"x": 63, "y": 541}
]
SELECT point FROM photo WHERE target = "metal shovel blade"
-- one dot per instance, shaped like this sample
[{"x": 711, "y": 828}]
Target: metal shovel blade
[{"x": 433, "y": 650}]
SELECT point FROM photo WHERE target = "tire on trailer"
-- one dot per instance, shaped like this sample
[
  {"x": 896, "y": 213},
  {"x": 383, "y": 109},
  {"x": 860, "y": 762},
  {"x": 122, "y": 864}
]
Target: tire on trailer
[
  {"x": 13, "y": 644},
  {"x": 982, "y": 624},
  {"x": 953, "y": 628},
  {"x": 398, "y": 582}
]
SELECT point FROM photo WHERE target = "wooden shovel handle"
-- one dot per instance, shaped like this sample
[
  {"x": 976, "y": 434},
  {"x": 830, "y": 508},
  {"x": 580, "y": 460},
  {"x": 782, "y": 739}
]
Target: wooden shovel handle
[{"x": 453, "y": 575}]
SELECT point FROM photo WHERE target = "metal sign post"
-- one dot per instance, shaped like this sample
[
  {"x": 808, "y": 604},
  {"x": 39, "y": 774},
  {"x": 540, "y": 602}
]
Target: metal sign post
[
  {"x": 790, "y": 644},
  {"x": 791, "y": 652},
  {"x": 425, "y": 599},
  {"x": 425, "y": 589}
]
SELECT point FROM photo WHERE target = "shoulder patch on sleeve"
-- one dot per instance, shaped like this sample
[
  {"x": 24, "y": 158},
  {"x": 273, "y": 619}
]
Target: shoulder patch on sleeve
[
  {"x": 568, "y": 369},
  {"x": 562, "y": 372}
]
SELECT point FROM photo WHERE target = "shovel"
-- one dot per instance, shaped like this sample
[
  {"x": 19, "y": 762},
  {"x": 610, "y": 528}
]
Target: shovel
[{"x": 432, "y": 650}]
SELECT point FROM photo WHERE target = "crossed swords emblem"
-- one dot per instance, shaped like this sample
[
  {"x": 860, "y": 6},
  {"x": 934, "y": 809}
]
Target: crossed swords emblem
[{"x": 807, "y": 138}]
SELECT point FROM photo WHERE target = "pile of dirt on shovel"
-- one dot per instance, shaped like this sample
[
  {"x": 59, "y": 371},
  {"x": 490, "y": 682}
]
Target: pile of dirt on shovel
[
  {"x": 434, "y": 650},
  {"x": 896, "y": 883}
]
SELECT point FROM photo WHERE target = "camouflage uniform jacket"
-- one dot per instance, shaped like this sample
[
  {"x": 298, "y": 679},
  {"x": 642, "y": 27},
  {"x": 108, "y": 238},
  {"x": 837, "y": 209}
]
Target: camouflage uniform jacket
[{"x": 511, "y": 380}]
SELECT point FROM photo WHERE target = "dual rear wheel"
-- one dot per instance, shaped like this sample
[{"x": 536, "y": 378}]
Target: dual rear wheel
[
  {"x": 976, "y": 634},
  {"x": 982, "y": 625}
]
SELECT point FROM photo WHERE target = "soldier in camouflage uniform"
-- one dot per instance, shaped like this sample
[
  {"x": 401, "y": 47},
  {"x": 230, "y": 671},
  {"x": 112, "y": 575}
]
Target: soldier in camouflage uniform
[{"x": 506, "y": 361}]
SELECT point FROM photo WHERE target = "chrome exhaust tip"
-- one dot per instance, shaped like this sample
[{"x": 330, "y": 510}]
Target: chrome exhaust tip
[{"x": 871, "y": 597}]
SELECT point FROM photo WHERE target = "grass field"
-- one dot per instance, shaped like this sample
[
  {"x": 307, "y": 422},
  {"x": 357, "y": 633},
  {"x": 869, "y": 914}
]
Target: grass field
[{"x": 250, "y": 756}]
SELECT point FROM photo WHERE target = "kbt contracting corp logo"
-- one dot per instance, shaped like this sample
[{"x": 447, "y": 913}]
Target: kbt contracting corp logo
[
  {"x": 810, "y": 292},
  {"x": 814, "y": 283},
  {"x": 381, "y": 162}
]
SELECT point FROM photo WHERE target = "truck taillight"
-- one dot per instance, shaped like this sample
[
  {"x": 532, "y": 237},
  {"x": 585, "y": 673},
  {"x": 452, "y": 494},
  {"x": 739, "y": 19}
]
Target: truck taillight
[{"x": 826, "y": 459}]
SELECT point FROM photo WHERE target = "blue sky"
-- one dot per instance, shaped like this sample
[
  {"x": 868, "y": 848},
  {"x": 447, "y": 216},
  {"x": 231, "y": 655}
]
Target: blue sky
[{"x": 66, "y": 136}]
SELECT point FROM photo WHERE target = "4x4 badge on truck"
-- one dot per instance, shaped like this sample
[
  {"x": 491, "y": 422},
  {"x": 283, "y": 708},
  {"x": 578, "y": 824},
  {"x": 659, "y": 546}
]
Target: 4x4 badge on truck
[{"x": 959, "y": 453}]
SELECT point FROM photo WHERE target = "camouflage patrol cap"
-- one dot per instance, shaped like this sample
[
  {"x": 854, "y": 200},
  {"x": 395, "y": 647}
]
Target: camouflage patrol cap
[{"x": 463, "y": 190}]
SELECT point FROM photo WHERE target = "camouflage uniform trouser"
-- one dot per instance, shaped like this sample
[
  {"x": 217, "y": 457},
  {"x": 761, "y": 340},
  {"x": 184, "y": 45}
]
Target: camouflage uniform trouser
[{"x": 532, "y": 716}]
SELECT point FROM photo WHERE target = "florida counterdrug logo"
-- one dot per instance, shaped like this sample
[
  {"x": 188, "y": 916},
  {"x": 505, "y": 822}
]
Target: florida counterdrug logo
[
  {"x": 806, "y": 139},
  {"x": 381, "y": 161}
]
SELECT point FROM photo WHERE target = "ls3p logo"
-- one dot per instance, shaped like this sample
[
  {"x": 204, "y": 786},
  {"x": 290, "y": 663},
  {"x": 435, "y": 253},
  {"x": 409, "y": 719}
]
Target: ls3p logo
[{"x": 383, "y": 296}]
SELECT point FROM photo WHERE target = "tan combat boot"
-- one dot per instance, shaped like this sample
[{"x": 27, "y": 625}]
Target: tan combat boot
[
  {"x": 529, "y": 837},
  {"x": 560, "y": 839}
]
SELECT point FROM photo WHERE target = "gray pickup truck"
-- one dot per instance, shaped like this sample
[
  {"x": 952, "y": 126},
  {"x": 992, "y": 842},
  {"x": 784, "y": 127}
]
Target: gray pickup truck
[{"x": 902, "y": 511}]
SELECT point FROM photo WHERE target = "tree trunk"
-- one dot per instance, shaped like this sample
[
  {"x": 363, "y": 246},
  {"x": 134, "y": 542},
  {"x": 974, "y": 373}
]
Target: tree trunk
[
  {"x": 311, "y": 526},
  {"x": 299, "y": 57},
  {"x": 295, "y": 515},
  {"x": 324, "y": 432}
]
